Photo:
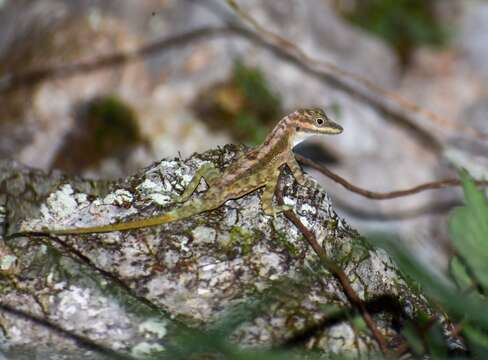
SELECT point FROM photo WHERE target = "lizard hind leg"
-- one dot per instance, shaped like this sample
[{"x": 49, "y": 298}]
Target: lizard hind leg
[{"x": 208, "y": 171}]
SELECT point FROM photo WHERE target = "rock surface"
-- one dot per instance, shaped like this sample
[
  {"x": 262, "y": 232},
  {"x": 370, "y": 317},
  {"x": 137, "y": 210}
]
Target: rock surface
[{"x": 132, "y": 291}]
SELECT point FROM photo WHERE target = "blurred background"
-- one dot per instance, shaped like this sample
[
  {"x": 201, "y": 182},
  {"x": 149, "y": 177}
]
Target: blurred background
[{"x": 94, "y": 88}]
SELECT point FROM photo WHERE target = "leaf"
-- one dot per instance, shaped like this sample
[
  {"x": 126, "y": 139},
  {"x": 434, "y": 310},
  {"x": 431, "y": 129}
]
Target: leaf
[
  {"x": 468, "y": 227},
  {"x": 458, "y": 306},
  {"x": 477, "y": 340},
  {"x": 460, "y": 275},
  {"x": 436, "y": 343},
  {"x": 413, "y": 338}
]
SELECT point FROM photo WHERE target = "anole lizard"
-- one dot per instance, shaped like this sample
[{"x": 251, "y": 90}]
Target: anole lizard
[{"x": 260, "y": 167}]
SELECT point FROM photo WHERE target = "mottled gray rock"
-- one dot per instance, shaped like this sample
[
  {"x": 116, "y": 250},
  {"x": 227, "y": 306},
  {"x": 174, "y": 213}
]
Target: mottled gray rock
[
  {"x": 472, "y": 36},
  {"x": 469, "y": 154},
  {"x": 131, "y": 291}
]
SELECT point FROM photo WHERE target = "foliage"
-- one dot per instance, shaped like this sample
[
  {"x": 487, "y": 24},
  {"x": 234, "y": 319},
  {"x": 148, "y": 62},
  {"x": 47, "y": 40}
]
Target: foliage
[
  {"x": 404, "y": 24},
  {"x": 463, "y": 297},
  {"x": 468, "y": 226}
]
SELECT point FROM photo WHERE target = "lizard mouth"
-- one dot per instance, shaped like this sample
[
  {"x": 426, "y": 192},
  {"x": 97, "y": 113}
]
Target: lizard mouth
[
  {"x": 329, "y": 128},
  {"x": 332, "y": 128}
]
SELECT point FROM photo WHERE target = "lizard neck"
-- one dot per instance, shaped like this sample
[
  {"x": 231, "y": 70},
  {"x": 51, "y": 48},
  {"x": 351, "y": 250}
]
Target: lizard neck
[
  {"x": 286, "y": 134},
  {"x": 277, "y": 147},
  {"x": 293, "y": 129},
  {"x": 280, "y": 139}
]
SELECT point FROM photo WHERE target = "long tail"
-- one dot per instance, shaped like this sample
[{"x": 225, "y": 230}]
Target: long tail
[
  {"x": 135, "y": 224},
  {"x": 183, "y": 212}
]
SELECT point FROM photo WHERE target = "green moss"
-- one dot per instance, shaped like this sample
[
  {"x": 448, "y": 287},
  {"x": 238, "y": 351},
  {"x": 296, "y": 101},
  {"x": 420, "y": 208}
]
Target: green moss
[
  {"x": 251, "y": 128},
  {"x": 281, "y": 239},
  {"x": 241, "y": 241},
  {"x": 113, "y": 123},
  {"x": 244, "y": 105},
  {"x": 332, "y": 225},
  {"x": 105, "y": 127},
  {"x": 404, "y": 24},
  {"x": 242, "y": 237},
  {"x": 258, "y": 95}
]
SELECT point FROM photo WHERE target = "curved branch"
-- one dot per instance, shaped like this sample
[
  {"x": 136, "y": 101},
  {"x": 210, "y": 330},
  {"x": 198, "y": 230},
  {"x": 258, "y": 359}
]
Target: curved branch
[
  {"x": 357, "y": 212},
  {"x": 338, "y": 273},
  {"x": 442, "y": 184},
  {"x": 31, "y": 77}
]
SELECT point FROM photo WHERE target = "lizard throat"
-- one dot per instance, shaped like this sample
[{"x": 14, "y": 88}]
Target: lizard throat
[{"x": 298, "y": 137}]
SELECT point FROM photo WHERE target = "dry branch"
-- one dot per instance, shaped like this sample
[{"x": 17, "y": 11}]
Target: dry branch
[
  {"x": 441, "y": 184},
  {"x": 336, "y": 270}
]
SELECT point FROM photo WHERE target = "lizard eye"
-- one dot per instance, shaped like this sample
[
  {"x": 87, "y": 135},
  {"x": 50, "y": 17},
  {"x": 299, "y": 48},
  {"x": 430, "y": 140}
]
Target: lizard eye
[{"x": 319, "y": 121}]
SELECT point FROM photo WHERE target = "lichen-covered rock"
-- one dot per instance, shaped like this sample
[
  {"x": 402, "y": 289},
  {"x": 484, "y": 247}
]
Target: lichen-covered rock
[{"x": 131, "y": 291}]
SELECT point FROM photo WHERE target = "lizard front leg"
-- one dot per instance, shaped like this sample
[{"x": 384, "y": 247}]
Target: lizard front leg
[
  {"x": 297, "y": 172},
  {"x": 208, "y": 171},
  {"x": 267, "y": 199}
]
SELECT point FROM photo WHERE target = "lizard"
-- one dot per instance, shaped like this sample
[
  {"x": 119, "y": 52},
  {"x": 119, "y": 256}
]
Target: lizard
[{"x": 258, "y": 168}]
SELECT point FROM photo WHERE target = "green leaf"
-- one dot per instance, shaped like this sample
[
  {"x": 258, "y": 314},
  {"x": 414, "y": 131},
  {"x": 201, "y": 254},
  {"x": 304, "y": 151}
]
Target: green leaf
[
  {"x": 413, "y": 338},
  {"x": 468, "y": 227},
  {"x": 460, "y": 275},
  {"x": 457, "y": 305},
  {"x": 477, "y": 340},
  {"x": 436, "y": 343}
]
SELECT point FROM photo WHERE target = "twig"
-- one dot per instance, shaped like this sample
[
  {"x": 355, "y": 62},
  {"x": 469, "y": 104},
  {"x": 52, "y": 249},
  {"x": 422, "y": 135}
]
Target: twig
[
  {"x": 431, "y": 208},
  {"x": 80, "y": 340},
  {"x": 10, "y": 82},
  {"x": 405, "y": 107},
  {"x": 31, "y": 77},
  {"x": 442, "y": 184},
  {"x": 338, "y": 273}
]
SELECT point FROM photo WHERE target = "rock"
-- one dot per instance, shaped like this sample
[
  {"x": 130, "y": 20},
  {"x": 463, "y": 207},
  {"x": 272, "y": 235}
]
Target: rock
[
  {"x": 135, "y": 291},
  {"x": 465, "y": 153},
  {"x": 472, "y": 36}
]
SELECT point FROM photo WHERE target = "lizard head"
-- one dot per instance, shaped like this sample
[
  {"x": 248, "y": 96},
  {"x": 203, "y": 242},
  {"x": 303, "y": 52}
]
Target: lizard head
[{"x": 308, "y": 122}]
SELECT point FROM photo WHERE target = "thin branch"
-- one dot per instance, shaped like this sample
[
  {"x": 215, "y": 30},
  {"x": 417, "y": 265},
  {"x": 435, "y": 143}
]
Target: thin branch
[
  {"x": 442, "y": 184},
  {"x": 34, "y": 76},
  {"x": 31, "y": 77},
  {"x": 338, "y": 273},
  {"x": 404, "y": 107},
  {"x": 80, "y": 340},
  {"x": 437, "y": 208}
]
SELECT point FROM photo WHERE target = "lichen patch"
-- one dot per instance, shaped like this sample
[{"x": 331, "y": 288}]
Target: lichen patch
[
  {"x": 154, "y": 326},
  {"x": 119, "y": 197},
  {"x": 66, "y": 209},
  {"x": 204, "y": 234}
]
